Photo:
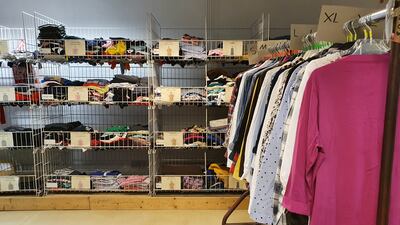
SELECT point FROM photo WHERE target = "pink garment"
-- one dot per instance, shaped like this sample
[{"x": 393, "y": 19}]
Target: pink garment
[{"x": 336, "y": 163}]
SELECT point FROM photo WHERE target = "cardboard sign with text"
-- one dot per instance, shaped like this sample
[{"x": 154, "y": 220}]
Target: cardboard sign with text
[
  {"x": 170, "y": 94},
  {"x": 75, "y": 47},
  {"x": 262, "y": 50},
  {"x": 169, "y": 48},
  {"x": 6, "y": 139},
  {"x": 332, "y": 19},
  {"x": 297, "y": 32},
  {"x": 172, "y": 139},
  {"x": 9, "y": 183},
  {"x": 7, "y": 94},
  {"x": 232, "y": 48},
  {"x": 78, "y": 94},
  {"x": 80, "y": 139},
  {"x": 170, "y": 183},
  {"x": 80, "y": 182},
  {"x": 3, "y": 48}
]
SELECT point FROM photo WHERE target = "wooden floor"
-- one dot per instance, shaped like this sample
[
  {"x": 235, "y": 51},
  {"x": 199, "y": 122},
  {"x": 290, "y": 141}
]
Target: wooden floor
[
  {"x": 118, "y": 202},
  {"x": 119, "y": 217}
]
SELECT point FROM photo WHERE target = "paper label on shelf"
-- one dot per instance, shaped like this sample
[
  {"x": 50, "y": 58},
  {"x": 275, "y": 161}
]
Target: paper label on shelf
[
  {"x": 173, "y": 138},
  {"x": 332, "y": 19},
  {"x": 51, "y": 185},
  {"x": 158, "y": 185},
  {"x": 47, "y": 97},
  {"x": 228, "y": 94},
  {"x": 168, "y": 48},
  {"x": 6, "y": 139},
  {"x": 78, "y": 94},
  {"x": 80, "y": 182},
  {"x": 170, "y": 94},
  {"x": 219, "y": 123},
  {"x": 80, "y": 139},
  {"x": 170, "y": 183},
  {"x": 3, "y": 48},
  {"x": 75, "y": 48},
  {"x": 45, "y": 50},
  {"x": 49, "y": 141},
  {"x": 232, "y": 48},
  {"x": 263, "y": 50},
  {"x": 7, "y": 94},
  {"x": 297, "y": 32},
  {"x": 9, "y": 183}
]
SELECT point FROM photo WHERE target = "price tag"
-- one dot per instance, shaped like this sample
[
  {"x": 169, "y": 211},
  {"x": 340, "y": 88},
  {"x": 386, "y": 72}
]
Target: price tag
[
  {"x": 75, "y": 48},
  {"x": 297, "y": 32},
  {"x": 332, "y": 18},
  {"x": 170, "y": 183},
  {"x": 172, "y": 139},
  {"x": 45, "y": 50},
  {"x": 78, "y": 94},
  {"x": 228, "y": 94},
  {"x": 169, "y": 48},
  {"x": 9, "y": 183},
  {"x": 232, "y": 48},
  {"x": 47, "y": 97},
  {"x": 80, "y": 139},
  {"x": 80, "y": 182},
  {"x": 3, "y": 48},
  {"x": 49, "y": 141},
  {"x": 170, "y": 94},
  {"x": 51, "y": 185},
  {"x": 7, "y": 94},
  {"x": 6, "y": 139}
]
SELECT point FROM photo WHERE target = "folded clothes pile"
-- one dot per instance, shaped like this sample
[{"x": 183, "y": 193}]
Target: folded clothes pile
[
  {"x": 197, "y": 136},
  {"x": 51, "y": 42},
  {"x": 193, "y": 182},
  {"x": 121, "y": 89},
  {"x": 137, "y": 183},
  {"x": 117, "y": 136},
  {"x": 24, "y": 137},
  {"x": 193, "y": 95},
  {"x": 216, "y": 89},
  {"x": 193, "y": 47}
]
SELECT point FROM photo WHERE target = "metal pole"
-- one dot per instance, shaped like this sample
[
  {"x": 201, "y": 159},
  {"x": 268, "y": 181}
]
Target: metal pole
[{"x": 390, "y": 127}]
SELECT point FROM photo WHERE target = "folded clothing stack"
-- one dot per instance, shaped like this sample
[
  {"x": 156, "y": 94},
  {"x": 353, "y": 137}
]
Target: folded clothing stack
[
  {"x": 216, "y": 89},
  {"x": 193, "y": 95},
  {"x": 116, "y": 136},
  {"x": 105, "y": 180},
  {"x": 197, "y": 136},
  {"x": 24, "y": 137},
  {"x": 193, "y": 47},
  {"x": 51, "y": 31},
  {"x": 137, "y": 183}
]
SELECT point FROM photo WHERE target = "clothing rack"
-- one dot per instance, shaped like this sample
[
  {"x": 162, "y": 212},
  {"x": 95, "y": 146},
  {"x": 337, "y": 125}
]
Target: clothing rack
[{"x": 389, "y": 134}]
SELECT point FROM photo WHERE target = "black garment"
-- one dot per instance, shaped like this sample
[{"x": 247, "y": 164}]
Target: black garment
[
  {"x": 51, "y": 31},
  {"x": 296, "y": 219},
  {"x": 62, "y": 126}
]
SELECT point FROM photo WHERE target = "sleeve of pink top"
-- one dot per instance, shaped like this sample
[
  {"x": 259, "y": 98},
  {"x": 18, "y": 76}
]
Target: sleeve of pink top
[{"x": 298, "y": 196}]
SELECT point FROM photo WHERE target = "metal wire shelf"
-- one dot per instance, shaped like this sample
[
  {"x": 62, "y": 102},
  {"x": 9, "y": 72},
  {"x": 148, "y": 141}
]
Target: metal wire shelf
[
  {"x": 93, "y": 51},
  {"x": 96, "y": 140}
]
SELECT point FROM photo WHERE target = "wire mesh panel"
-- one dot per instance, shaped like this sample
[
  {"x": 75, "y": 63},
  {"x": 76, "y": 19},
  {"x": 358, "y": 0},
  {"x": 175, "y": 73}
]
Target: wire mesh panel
[{"x": 119, "y": 170}]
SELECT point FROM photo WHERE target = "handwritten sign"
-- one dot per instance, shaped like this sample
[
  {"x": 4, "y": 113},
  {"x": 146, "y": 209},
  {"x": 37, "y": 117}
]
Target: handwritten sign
[
  {"x": 7, "y": 94},
  {"x": 263, "y": 50},
  {"x": 80, "y": 182},
  {"x": 170, "y": 94},
  {"x": 170, "y": 183},
  {"x": 169, "y": 48},
  {"x": 9, "y": 183},
  {"x": 6, "y": 139},
  {"x": 3, "y": 48},
  {"x": 80, "y": 139},
  {"x": 172, "y": 139},
  {"x": 75, "y": 48},
  {"x": 297, "y": 32},
  {"x": 232, "y": 48},
  {"x": 332, "y": 18},
  {"x": 78, "y": 94}
]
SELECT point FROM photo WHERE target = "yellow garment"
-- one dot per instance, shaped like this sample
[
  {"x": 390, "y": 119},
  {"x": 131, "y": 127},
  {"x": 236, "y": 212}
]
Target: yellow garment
[
  {"x": 222, "y": 174},
  {"x": 100, "y": 90},
  {"x": 117, "y": 49}
]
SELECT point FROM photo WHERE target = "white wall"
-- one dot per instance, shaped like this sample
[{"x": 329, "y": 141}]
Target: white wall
[{"x": 174, "y": 13}]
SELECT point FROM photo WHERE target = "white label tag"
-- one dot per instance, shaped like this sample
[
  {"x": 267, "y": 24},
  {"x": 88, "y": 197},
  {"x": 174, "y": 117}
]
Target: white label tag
[
  {"x": 80, "y": 139},
  {"x": 51, "y": 185},
  {"x": 232, "y": 48},
  {"x": 49, "y": 141},
  {"x": 78, "y": 94},
  {"x": 80, "y": 182},
  {"x": 3, "y": 48},
  {"x": 75, "y": 48},
  {"x": 45, "y": 50},
  {"x": 170, "y": 94},
  {"x": 297, "y": 32},
  {"x": 173, "y": 139},
  {"x": 6, "y": 139},
  {"x": 171, "y": 183},
  {"x": 158, "y": 185},
  {"x": 47, "y": 97},
  {"x": 332, "y": 18},
  {"x": 219, "y": 123},
  {"x": 169, "y": 48},
  {"x": 9, "y": 183},
  {"x": 7, "y": 94}
]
